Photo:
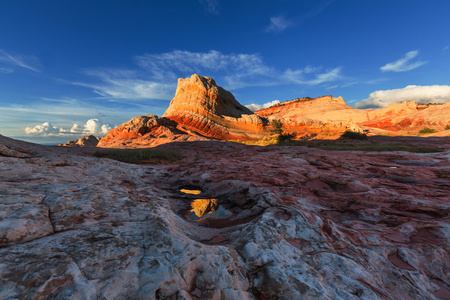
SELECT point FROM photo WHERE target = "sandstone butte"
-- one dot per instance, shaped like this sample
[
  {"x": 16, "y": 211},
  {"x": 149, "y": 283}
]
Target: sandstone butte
[
  {"x": 201, "y": 110},
  {"x": 305, "y": 223}
]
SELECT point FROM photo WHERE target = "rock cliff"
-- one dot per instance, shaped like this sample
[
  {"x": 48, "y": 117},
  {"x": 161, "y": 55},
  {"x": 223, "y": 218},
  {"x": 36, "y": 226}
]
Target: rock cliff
[{"x": 203, "y": 107}]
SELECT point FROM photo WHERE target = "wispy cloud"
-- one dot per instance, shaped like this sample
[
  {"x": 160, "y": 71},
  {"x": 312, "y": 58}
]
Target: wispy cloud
[
  {"x": 211, "y": 6},
  {"x": 314, "y": 12},
  {"x": 121, "y": 84},
  {"x": 23, "y": 61},
  {"x": 299, "y": 76},
  {"x": 155, "y": 76},
  {"x": 404, "y": 63},
  {"x": 278, "y": 24},
  {"x": 420, "y": 94}
]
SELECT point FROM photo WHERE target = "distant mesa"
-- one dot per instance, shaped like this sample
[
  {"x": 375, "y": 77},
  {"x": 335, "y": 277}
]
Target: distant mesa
[
  {"x": 85, "y": 141},
  {"x": 202, "y": 110}
]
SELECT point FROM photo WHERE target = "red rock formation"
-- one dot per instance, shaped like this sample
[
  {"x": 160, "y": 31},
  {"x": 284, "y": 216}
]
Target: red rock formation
[
  {"x": 203, "y": 107},
  {"x": 85, "y": 141},
  {"x": 327, "y": 114},
  {"x": 202, "y": 110},
  {"x": 146, "y": 131}
]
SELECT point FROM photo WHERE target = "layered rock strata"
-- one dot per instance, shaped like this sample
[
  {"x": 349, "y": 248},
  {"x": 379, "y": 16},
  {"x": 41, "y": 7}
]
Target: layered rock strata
[
  {"x": 203, "y": 107},
  {"x": 146, "y": 131},
  {"x": 329, "y": 114}
]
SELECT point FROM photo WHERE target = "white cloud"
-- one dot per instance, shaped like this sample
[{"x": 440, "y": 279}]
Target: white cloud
[
  {"x": 45, "y": 129},
  {"x": 211, "y": 6},
  {"x": 24, "y": 61},
  {"x": 92, "y": 126},
  {"x": 95, "y": 127},
  {"x": 157, "y": 75},
  {"x": 255, "y": 107},
  {"x": 298, "y": 76},
  {"x": 404, "y": 63},
  {"x": 278, "y": 24},
  {"x": 172, "y": 63},
  {"x": 420, "y": 94},
  {"x": 123, "y": 85}
]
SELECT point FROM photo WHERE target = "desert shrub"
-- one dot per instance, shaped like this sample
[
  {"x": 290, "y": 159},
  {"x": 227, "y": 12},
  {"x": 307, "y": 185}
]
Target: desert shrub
[
  {"x": 277, "y": 126},
  {"x": 284, "y": 138},
  {"x": 447, "y": 127},
  {"x": 427, "y": 130},
  {"x": 137, "y": 156},
  {"x": 354, "y": 135},
  {"x": 162, "y": 136}
]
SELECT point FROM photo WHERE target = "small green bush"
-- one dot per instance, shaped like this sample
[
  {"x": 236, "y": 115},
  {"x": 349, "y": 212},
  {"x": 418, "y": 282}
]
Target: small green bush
[
  {"x": 162, "y": 136},
  {"x": 354, "y": 135},
  {"x": 277, "y": 126},
  {"x": 139, "y": 156},
  {"x": 284, "y": 138},
  {"x": 447, "y": 127},
  {"x": 427, "y": 130}
]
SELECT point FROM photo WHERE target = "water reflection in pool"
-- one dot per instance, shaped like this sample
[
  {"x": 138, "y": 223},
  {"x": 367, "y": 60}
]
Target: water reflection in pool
[
  {"x": 191, "y": 192},
  {"x": 207, "y": 208}
]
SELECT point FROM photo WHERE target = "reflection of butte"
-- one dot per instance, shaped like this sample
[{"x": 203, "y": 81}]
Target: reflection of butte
[
  {"x": 191, "y": 192},
  {"x": 202, "y": 207}
]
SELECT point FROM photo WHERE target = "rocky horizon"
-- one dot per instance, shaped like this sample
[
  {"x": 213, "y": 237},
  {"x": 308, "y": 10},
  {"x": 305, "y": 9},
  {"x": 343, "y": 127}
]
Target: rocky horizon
[{"x": 202, "y": 110}]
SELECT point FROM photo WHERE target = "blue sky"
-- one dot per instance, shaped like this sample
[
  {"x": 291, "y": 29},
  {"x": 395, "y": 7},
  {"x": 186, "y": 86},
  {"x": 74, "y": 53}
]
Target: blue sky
[{"x": 69, "y": 68}]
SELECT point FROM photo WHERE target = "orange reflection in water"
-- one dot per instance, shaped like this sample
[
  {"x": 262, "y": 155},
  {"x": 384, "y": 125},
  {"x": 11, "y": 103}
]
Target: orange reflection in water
[
  {"x": 191, "y": 192},
  {"x": 202, "y": 207}
]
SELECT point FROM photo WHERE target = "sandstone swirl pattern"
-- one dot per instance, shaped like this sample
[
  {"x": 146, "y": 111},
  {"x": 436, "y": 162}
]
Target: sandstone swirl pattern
[{"x": 307, "y": 224}]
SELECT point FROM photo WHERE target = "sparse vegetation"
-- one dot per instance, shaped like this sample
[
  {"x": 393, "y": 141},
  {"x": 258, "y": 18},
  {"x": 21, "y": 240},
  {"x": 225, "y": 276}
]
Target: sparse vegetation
[
  {"x": 140, "y": 156},
  {"x": 162, "y": 136},
  {"x": 427, "y": 130},
  {"x": 354, "y": 135},
  {"x": 284, "y": 138},
  {"x": 281, "y": 137},
  {"x": 365, "y": 146},
  {"x": 276, "y": 126},
  {"x": 447, "y": 127}
]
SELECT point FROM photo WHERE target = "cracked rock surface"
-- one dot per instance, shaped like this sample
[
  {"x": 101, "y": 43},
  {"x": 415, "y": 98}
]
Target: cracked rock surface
[{"x": 304, "y": 224}]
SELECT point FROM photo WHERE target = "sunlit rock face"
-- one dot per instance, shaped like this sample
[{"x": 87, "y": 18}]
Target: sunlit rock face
[
  {"x": 201, "y": 110},
  {"x": 146, "y": 131},
  {"x": 203, "y": 107},
  {"x": 328, "y": 115}
]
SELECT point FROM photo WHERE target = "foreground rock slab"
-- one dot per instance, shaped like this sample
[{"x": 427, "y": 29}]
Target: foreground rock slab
[{"x": 305, "y": 224}]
